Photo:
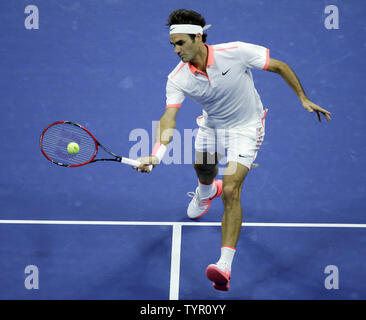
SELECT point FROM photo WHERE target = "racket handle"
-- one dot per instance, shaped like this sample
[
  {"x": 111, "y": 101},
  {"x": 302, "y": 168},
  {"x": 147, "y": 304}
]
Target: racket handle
[{"x": 133, "y": 163}]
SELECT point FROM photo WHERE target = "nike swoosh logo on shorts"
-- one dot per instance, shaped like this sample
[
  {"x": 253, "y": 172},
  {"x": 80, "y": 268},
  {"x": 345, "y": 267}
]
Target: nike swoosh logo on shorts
[
  {"x": 226, "y": 72},
  {"x": 242, "y": 156}
]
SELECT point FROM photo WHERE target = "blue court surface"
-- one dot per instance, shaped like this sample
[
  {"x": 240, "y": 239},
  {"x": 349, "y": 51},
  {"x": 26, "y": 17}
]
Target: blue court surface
[{"x": 105, "y": 231}]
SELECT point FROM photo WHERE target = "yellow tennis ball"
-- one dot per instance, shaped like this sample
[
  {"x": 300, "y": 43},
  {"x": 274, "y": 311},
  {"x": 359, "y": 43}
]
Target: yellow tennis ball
[{"x": 73, "y": 148}]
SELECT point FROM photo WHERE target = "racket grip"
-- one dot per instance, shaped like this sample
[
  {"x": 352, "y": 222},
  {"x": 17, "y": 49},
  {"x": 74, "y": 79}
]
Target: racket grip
[{"x": 133, "y": 163}]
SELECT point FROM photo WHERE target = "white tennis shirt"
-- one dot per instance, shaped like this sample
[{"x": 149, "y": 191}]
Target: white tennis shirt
[{"x": 226, "y": 92}]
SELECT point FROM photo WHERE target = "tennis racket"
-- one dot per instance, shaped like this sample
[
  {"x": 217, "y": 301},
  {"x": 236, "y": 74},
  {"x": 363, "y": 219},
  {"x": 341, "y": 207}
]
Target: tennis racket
[{"x": 58, "y": 135}]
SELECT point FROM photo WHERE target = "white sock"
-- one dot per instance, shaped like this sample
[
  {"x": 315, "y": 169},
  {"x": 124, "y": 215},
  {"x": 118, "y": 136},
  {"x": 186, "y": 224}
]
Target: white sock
[
  {"x": 227, "y": 256},
  {"x": 206, "y": 190}
]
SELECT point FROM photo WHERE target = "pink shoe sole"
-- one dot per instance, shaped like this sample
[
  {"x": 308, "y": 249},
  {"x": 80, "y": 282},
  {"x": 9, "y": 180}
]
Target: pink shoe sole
[
  {"x": 221, "y": 287},
  {"x": 220, "y": 279}
]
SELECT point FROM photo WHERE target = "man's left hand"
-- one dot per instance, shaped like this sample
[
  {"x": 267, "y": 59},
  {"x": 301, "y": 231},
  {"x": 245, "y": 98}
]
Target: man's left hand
[{"x": 312, "y": 107}]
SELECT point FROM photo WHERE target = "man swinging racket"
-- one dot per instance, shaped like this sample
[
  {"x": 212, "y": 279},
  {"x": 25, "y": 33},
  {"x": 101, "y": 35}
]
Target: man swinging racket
[{"x": 219, "y": 78}]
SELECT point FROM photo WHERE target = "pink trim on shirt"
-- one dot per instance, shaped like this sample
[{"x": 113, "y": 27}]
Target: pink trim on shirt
[
  {"x": 195, "y": 70},
  {"x": 211, "y": 55},
  {"x": 222, "y": 49},
  {"x": 178, "y": 70},
  {"x": 210, "y": 61},
  {"x": 264, "y": 116},
  {"x": 260, "y": 138},
  {"x": 267, "y": 61}
]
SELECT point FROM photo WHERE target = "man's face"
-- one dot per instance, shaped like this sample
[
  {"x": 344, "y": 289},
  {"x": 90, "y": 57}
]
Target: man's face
[{"x": 184, "y": 46}]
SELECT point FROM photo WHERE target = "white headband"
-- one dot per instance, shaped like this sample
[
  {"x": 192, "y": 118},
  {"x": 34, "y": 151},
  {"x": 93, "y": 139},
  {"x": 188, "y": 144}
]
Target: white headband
[{"x": 187, "y": 28}]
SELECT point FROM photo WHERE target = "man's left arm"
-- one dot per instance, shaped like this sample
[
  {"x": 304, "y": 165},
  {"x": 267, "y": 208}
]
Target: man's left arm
[{"x": 290, "y": 77}]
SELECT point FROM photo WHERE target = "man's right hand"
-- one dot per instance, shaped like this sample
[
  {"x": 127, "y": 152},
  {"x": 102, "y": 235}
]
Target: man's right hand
[{"x": 146, "y": 162}]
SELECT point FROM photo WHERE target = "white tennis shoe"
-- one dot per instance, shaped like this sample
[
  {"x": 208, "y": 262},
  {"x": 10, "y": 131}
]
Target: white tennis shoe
[{"x": 199, "y": 206}]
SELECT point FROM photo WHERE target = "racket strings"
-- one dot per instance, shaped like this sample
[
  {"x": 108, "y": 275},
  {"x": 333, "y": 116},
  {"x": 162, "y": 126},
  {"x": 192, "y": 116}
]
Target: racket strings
[{"x": 56, "y": 139}]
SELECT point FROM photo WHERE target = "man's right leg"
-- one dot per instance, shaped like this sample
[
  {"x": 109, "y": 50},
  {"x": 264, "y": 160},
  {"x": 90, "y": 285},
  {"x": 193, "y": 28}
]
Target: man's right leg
[
  {"x": 208, "y": 188},
  {"x": 206, "y": 166}
]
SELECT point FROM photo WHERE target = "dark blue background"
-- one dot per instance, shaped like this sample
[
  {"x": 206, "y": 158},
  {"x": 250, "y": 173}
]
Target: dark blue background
[{"x": 104, "y": 65}]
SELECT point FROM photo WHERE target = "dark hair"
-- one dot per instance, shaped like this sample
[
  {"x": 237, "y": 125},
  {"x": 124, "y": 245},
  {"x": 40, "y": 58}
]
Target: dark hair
[{"x": 184, "y": 16}]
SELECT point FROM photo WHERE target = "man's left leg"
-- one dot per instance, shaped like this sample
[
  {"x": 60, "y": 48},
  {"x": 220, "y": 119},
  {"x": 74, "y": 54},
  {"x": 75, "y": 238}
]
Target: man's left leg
[
  {"x": 234, "y": 176},
  {"x": 220, "y": 272}
]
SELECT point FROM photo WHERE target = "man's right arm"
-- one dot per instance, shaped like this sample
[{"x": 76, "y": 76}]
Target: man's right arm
[
  {"x": 164, "y": 133},
  {"x": 166, "y": 126}
]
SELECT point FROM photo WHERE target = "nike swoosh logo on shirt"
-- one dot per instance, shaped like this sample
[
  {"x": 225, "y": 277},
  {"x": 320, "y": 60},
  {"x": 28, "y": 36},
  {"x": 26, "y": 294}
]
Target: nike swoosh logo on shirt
[{"x": 226, "y": 72}]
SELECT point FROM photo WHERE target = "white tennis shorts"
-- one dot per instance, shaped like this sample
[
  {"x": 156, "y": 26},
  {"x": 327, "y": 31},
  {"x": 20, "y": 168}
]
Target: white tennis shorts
[{"x": 239, "y": 144}]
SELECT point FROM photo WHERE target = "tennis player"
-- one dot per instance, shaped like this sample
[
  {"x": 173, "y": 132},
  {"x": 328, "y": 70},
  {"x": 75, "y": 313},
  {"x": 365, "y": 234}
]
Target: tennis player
[{"x": 219, "y": 78}]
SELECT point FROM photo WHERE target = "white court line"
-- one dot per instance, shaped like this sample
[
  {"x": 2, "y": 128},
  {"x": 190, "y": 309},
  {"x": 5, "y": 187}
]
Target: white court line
[
  {"x": 172, "y": 223},
  {"x": 177, "y": 235},
  {"x": 175, "y": 262}
]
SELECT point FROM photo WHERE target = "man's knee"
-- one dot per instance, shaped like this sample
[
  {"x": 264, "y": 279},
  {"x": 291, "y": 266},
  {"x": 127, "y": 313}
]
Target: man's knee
[
  {"x": 204, "y": 168},
  {"x": 230, "y": 193}
]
